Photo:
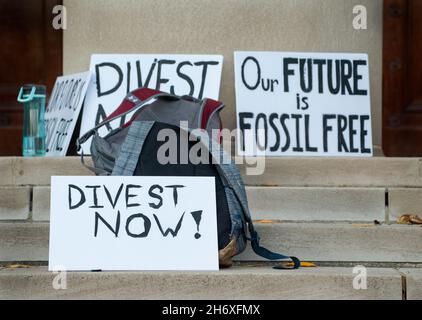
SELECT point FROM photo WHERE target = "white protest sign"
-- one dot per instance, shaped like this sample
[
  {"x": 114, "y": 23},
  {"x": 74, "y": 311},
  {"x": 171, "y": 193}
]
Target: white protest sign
[
  {"x": 303, "y": 104},
  {"x": 63, "y": 111},
  {"x": 117, "y": 74},
  {"x": 133, "y": 223}
]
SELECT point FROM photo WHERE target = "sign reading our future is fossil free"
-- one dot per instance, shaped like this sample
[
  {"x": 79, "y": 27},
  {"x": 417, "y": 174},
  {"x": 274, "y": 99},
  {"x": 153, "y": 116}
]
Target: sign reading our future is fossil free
[{"x": 303, "y": 104}]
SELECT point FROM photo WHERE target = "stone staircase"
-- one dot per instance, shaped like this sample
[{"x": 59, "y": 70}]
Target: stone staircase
[{"x": 338, "y": 213}]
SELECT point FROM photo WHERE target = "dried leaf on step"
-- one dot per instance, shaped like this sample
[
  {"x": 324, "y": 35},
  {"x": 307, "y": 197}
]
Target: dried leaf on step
[
  {"x": 409, "y": 219},
  {"x": 404, "y": 219},
  {"x": 415, "y": 219},
  {"x": 303, "y": 264},
  {"x": 270, "y": 185},
  {"x": 18, "y": 266},
  {"x": 363, "y": 225},
  {"x": 266, "y": 221}
]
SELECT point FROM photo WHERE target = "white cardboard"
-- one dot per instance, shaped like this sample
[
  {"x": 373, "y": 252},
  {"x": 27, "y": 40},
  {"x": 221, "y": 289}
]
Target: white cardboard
[
  {"x": 63, "y": 111},
  {"x": 122, "y": 73},
  {"x": 272, "y": 97},
  {"x": 74, "y": 246}
]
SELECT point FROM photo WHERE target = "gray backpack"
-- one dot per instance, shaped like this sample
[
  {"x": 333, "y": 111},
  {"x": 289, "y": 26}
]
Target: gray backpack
[{"x": 128, "y": 150}]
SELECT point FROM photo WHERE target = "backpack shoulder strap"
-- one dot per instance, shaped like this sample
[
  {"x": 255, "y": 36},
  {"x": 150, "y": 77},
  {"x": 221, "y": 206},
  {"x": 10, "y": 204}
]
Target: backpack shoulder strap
[
  {"x": 131, "y": 149},
  {"x": 232, "y": 179}
]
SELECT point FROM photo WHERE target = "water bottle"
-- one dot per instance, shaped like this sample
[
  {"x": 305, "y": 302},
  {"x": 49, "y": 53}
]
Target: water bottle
[{"x": 33, "y": 99}]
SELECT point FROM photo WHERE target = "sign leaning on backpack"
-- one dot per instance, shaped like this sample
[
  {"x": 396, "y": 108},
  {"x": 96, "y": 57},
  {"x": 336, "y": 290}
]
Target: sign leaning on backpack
[
  {"x": 303, "y": 104},
  {"x": 115, "y": 75},
  {"x": 133, "y": 223}
]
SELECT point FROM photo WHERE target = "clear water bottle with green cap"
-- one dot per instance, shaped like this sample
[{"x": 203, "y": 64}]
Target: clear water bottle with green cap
[{"x": 33, "y": 99}]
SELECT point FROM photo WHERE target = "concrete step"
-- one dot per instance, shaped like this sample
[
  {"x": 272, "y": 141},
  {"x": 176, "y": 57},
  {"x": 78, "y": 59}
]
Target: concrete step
[
  {"x": 299, "y": 172},
  {"x": 341, "y": 242},
  {"x": 337, "y": 172},
  {"x": 336, "y": 242},
  {"x": 413, "y": 283},
  {"x": 291, "y": 189},
  {"x": 278, "y": 203},
  {"x": 14, "y": 202},
  {"x": 237, "y": 283},
  {"x": 38, "y": 170},
  {"x": 317, "y": 204},
  {"x": 273, "y": 203}
]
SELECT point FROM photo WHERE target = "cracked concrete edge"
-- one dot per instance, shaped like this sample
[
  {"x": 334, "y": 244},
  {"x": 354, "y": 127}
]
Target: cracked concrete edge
[{"x": 412, "y": 283}]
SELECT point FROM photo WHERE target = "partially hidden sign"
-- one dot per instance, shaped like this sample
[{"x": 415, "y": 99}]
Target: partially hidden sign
[
  {"x": 303, "y": 104},
  {"x": 133, "y": 223},
  {"x": 117, "y": 74},
  {"x": 63, "y": 111}
]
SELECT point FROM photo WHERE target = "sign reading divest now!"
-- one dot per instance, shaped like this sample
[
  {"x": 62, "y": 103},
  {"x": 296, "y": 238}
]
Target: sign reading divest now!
[
  {"x": 303, "y": 104},
  {"x": 133, "y": 223},
  {"x": 117, "y": 74},
  {"x": 63, "y": 111}
]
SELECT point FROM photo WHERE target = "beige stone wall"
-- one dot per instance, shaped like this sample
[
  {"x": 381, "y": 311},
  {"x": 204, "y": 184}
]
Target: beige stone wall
[{"x": 221, "y": 27}]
